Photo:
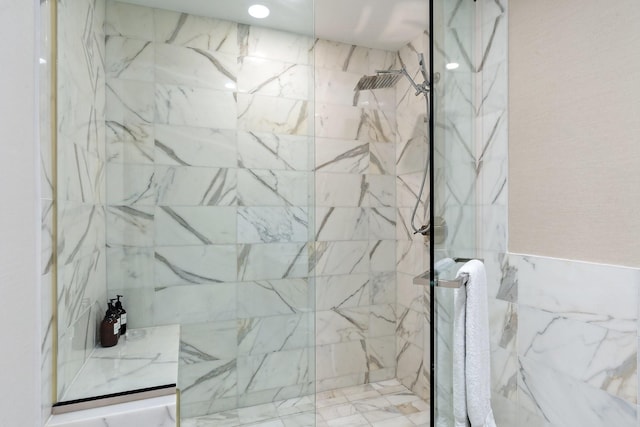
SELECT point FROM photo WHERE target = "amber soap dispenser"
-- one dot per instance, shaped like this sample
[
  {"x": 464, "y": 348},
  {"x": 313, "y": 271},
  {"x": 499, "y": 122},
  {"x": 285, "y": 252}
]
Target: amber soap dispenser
[{"x": 109, "y": 327}]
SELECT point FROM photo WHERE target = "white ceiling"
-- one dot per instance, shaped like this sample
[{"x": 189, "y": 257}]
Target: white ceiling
[{"x": 383, "y": 24}]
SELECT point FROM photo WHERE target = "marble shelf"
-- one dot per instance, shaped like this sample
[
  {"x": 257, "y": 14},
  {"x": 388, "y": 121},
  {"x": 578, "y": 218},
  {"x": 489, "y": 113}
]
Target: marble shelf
[{"x": 145, "y": 358}]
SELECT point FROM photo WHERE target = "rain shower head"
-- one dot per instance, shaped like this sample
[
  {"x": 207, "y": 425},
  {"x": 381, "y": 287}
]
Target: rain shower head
[
  {"x": 388, "y": 78},
  {"x": 381, "y": 80}
]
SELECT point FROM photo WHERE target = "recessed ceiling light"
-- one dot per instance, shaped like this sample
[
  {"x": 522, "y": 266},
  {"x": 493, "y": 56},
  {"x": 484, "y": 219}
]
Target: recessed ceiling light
[
  {"x": 259, "y": 11},
  {"x": 452, "y": 66}
]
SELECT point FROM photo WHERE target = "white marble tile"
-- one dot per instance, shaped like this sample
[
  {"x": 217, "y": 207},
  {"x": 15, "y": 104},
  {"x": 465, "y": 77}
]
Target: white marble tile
[
  {"x": 543, "y": 392},
  {"x": 82, "y": 175},
  {"x": 340, "y": 360},
  {"x": 274, "y": 78},
  {"x": 129, "y": 226},
  {"x": 504, "y": 373},
  {"x": 341, "y": 325},
  {"x": 83, "y": 234},
  {"x": 335, "y": 155},
  {"x": 129, "y": 117},
  {"x": 598, "y": 356},
  {"x": 334, "y": 86},
  {"x": 129, "y": 267},
  {"x": 272, "y": 224},
  {"x": 352, "y": 123},
  {"x": 595, "y": 293},
  {"x": 131, "y": 185},
  {"x": 381, "y": 352},
  {"x": 273, "y": 297},
  {"x": 206, "y": 303},
  {"x": 221, "y": 419},
  {"x": 336, "y": 223},
  {"x": 194, "y": 31},
  {"x": 264, "y": 335},
  {"x": 176, "y": 265},
  {"x": 191, "y": 186},
  {"x": 208, "y": 380},
  {"x": 124, "y": 19},
  {"x": 129, "y": 59},
  {"x": 383, "y": 320},
  {"x": 344, "y": 190},
  {"x": 259, "y": 150},
  {"x": 194, "y": 225},
  {"x": 381, "y": 190},
  {"x": 158, "y": 411},
  {"x": 195, "y": 67},
  {"x": 193, "y": 146},
  {"x": 347, "y": 257},
  {"x": 382, "y": 255},
  {"x": 270, "y": 114},
  {"x": 407, "y": 189},
  {"x": 272, "y": 188},
  {"x": 411, "y": 371},
  {"x": 382, "y": 158},
  {"x": 279, "y": 45},
  {"x": 182, "y": 105},
  {"x": 383, "y": 286},
  {"x": 201, "y": 342},
  {"x": 256, "y": 372},
  {"x": 412, "y": 326},
  {"x": 411, "y": 258},
  {"x": 272, "y": 261},
  {"x": 341, "y": 56},
  {"x": 408, "y": 294},
  {"x": 382, "y": 223},
  {"x": 351, "y": 290}
]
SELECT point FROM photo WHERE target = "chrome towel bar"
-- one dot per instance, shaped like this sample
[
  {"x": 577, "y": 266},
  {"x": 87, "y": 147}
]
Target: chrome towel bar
[{"x": 460, "y": 281}]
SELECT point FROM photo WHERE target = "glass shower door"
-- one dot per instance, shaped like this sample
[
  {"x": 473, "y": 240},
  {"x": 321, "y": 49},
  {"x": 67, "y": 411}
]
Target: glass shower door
[{"x": 454, "y": 185}]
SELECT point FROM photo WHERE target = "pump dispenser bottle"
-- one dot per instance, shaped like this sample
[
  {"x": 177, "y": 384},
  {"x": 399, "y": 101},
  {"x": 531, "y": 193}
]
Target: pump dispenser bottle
[
  {"x": 122, "y": 313},
  {"x": 109, "y": 328}
]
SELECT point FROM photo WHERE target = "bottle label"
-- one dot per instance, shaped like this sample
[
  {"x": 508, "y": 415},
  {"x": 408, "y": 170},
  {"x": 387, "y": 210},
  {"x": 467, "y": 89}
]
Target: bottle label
[
  {"x": 123, "y": 318},
  {"x": 116, "y": 328}
]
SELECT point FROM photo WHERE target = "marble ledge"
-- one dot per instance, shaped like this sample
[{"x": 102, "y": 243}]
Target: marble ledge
[
  {"x": 158, "y": 411},
  {"x": 144, "y": 358}
]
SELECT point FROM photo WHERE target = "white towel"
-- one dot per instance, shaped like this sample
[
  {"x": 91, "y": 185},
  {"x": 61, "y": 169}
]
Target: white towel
[{"x": 472, "y": 354}]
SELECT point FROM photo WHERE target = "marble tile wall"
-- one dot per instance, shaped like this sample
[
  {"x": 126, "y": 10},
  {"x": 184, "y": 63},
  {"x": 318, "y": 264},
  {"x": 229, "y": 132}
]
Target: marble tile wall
[
  {"x": 577, "y": 335},
  {"x": 209, "y": 198},
  {"x": 212, "y": 172},
  {"x": 412, "y": 253},
  {"x": 354, "y": 218},
  {"x": 81, "y": 185}
]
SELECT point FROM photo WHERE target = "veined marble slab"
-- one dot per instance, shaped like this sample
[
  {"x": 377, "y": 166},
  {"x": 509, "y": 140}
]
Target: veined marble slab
[
  {"x": 157, "y": 411},
  {"x": 146, "y": 357}
]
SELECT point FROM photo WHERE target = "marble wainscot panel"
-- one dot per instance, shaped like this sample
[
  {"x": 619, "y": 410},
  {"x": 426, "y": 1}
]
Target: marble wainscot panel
[{"x": 577, "y": 330}]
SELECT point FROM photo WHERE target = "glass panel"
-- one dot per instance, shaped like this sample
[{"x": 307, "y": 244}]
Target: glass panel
[
  {"x": 455, "y": 177},
  {"x": 186, "y": 159}
]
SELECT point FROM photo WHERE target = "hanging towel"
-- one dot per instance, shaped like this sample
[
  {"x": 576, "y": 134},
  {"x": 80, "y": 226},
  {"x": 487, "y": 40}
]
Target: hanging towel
[{"x": 472, "y": 356}]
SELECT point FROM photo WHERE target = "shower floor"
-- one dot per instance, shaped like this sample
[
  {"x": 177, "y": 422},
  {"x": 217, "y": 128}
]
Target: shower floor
[{"x": 381, "y": 404}]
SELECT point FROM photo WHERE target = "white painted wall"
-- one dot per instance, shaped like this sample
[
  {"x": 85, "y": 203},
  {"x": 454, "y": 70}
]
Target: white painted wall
[{"x": 19, "y": 218}]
